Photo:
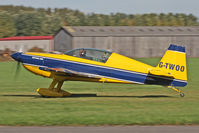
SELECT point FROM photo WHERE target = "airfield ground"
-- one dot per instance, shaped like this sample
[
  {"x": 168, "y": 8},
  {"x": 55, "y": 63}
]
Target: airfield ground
[{"x": 96, "y": 103}]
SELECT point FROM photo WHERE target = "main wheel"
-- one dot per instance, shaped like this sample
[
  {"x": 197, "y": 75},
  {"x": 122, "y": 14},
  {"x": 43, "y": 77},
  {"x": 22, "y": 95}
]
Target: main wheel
[{"x": 182, "y": 94}]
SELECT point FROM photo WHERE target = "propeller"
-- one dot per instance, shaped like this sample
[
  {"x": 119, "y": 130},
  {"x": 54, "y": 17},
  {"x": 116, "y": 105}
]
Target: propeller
[
  {"x": 18, "y": 68},
  {"x": 17, "y": 57}
]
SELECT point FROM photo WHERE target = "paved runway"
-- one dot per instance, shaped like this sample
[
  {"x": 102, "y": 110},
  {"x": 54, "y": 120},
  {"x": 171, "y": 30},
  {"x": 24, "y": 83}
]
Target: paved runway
[{"x": 99, "y": 129}]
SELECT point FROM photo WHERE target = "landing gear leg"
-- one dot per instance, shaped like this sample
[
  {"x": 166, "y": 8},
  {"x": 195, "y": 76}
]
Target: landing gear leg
[
  {"x": 53, "y": 91},
  {"x": 178, "y": 90}
]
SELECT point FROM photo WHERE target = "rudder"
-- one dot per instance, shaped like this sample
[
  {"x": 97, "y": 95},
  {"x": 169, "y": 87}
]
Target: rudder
[{"x": 174, "y": 64}]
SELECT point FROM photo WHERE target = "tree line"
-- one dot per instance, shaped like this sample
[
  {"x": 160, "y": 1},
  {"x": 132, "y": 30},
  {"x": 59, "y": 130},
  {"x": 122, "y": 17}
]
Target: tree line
[{"x": 28, "y": 21}]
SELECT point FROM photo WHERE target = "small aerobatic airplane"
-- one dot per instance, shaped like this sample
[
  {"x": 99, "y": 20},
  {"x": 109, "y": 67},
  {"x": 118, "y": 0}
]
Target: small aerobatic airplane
[{"x": 88, "y": 64}]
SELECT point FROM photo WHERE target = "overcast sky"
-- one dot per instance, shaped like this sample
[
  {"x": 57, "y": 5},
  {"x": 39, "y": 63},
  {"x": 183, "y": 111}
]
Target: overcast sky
[{"x": 113, "y": 6}]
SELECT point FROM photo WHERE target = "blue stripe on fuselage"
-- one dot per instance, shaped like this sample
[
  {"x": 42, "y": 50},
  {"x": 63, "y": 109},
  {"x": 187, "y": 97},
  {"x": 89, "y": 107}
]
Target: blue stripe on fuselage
[
  {"x": 178, "y": 83},
  {"x": 102, "y": 71}
]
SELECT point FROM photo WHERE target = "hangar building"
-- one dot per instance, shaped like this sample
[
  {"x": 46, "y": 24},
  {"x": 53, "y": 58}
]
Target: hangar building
[
  {"x": 27, "y": 42},
  {"x": 132, "y": 41}
]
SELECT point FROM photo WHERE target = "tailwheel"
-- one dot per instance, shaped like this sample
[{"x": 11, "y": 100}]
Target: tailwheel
[
  {"x": 52, "y": 91},
  {"x": 176, "y": 89}
]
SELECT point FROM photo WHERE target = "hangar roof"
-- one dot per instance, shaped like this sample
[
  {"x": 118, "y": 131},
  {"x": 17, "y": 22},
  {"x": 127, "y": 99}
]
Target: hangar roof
[
  {"x": 130, "y": 30},
  {"x": 27, "y": 38}
]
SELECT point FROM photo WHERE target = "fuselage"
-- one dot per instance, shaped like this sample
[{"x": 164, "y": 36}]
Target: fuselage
[{"x": 116, "y": 69}]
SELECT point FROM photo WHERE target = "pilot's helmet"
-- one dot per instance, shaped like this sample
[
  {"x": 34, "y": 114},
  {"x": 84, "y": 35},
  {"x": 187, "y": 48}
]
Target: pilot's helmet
[{"x": 82, "y": 52}]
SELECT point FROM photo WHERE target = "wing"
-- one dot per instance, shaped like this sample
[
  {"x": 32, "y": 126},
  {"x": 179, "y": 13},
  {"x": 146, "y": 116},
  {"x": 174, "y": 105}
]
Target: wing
[{"x": 67, "y": 72}]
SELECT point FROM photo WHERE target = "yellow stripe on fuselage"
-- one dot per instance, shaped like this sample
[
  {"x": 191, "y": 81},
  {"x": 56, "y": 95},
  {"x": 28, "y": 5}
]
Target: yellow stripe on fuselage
[{"x": 125, "y": 63}]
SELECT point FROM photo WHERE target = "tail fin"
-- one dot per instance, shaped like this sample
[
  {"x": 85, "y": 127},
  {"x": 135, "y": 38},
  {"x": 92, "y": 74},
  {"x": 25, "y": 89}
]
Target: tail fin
[{"x": 174, "y": 64}]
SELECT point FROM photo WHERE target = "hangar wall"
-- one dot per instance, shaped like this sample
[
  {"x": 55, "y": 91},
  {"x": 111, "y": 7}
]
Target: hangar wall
[
  {"x": 138, "y": 46},
  {"x": 27, "y": 42},
  {"x": 25, "y": 45},
  {"x": 62, "y": 41},
  {"x": 129, "y": 41}
]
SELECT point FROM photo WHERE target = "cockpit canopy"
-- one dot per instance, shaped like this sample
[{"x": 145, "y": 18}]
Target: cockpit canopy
[{"x": 90, "y": 54}]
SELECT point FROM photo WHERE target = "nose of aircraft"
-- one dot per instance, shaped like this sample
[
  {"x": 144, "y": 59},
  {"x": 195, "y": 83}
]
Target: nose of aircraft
[{"x": 16, "y": 56}]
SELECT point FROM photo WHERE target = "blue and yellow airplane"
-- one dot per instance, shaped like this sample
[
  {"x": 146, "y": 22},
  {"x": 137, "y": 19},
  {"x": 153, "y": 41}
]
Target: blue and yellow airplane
[{"x": 88, "y": 64}]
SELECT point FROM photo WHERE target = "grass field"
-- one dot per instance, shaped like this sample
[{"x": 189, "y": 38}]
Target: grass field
[{"x": 95, "y": 103}]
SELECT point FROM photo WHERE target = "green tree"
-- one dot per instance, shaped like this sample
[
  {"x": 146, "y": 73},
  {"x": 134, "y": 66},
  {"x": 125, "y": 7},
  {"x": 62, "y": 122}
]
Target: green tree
[
  {"x": 30, "y": 21},
  {"x": 7, "y": 27},
  {"x": 29, "y": 24},
  {"x": 138, "y": 20},
  {"x": 50, "y": 25},
  {"x": 191, "y": 20}
]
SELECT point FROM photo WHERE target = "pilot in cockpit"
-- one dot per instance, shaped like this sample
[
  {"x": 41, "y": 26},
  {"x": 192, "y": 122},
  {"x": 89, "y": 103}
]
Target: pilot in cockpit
[{"x": 82, "y": 53}]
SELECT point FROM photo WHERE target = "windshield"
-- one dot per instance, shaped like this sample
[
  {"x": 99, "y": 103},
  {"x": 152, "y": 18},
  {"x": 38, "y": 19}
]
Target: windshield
[{"x": 90, "y": 54}]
